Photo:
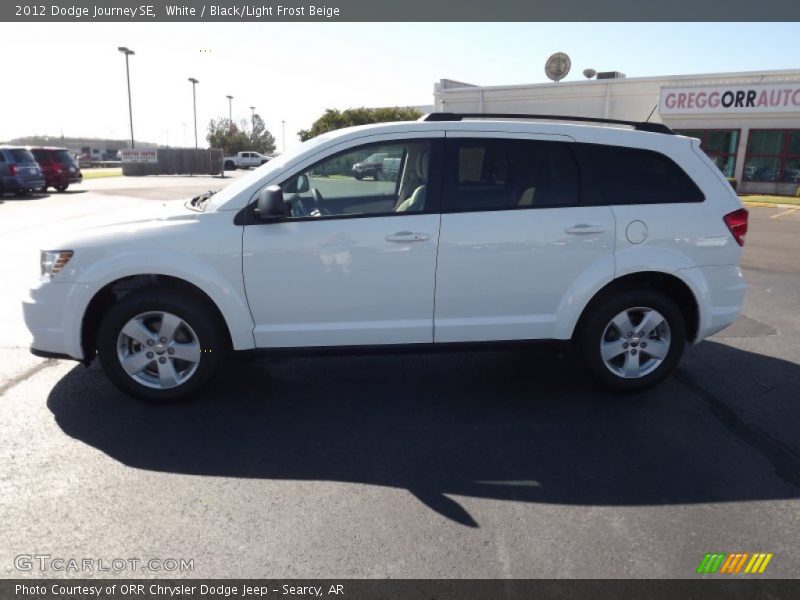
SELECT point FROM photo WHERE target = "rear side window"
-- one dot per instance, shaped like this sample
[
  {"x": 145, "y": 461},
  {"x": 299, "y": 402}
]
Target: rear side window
[
  {"x": 22, "y": 156},
  {"x": 490, "y": 174},
  {"x": 617, "y": 175}
]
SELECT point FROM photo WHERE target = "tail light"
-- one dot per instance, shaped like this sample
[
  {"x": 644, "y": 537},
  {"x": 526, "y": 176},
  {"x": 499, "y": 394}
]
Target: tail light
[
  {"x": 737, "y": 223},
  {"x": 12, "y": 170}
]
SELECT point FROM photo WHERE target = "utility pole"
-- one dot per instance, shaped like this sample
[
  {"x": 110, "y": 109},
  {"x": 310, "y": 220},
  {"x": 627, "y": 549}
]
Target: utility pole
[
  {"x": 194, "y": 104},
  {"x": 127, "y": 52}
]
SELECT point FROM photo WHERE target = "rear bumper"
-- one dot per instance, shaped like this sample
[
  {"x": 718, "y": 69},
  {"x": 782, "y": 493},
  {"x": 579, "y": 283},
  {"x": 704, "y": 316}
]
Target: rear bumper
[
  {"x": 19, "y": 183},
  {"x": 719, "y": 292},
  {"x": 63, "y": 179}
]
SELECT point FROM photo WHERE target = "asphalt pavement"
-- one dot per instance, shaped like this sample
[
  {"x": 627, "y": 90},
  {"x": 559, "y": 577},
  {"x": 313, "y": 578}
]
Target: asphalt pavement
[{"x": 485, "y": 464}]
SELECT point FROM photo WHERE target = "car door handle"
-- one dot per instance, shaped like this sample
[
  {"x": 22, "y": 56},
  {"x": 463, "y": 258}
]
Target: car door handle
[
  {"x": 584, "y": 228},
  {"x": 408, "y": 236}
]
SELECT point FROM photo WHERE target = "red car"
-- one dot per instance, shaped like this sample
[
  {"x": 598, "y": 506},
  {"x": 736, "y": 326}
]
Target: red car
[{"x": 58, "y": 166}]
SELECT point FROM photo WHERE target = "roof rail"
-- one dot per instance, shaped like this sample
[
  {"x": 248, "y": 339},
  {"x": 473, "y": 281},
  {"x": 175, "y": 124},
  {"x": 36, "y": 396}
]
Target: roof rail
[{"x": 638, "y": 125}]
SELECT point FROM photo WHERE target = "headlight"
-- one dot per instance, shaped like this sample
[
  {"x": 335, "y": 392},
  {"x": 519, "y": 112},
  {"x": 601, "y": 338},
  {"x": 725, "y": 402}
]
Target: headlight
[{"x": 53, "y": 261}]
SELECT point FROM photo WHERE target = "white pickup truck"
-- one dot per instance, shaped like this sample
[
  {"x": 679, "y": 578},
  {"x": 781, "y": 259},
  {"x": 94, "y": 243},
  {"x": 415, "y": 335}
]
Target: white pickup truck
[{"x": 244, "y": 160}]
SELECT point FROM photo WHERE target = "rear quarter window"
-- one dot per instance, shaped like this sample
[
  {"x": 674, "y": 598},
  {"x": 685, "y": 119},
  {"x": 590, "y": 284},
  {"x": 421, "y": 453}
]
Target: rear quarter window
[{"x": 618, "y": 175}]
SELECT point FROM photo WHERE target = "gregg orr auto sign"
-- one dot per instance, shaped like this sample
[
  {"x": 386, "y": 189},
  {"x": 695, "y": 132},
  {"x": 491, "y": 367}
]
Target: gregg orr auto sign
[{"x": 754, "y": 98}]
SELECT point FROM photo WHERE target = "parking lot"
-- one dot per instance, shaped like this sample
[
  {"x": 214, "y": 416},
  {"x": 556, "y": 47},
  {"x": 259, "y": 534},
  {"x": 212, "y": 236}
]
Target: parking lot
[{"x": 488, "y": 464}]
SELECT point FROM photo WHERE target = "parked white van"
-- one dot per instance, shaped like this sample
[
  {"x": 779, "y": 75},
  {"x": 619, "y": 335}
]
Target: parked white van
[{"x": 618, "y": 237}]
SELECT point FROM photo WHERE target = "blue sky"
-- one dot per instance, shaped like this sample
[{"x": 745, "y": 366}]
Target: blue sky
[{"x": 70, "y": 76}]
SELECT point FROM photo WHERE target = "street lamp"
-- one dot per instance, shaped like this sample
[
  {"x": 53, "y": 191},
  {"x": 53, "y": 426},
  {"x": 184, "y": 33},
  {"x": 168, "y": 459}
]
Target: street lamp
[
  {"x": 194, "y": 104},
  {"x": 127, "y": 52},
  {"x": 230, "y": 108},
  {"x": 283, "y": 135}
]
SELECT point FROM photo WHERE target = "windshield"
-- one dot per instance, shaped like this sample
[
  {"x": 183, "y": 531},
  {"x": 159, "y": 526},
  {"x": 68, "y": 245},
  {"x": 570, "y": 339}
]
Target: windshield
[{"x": 262, "y": 172}]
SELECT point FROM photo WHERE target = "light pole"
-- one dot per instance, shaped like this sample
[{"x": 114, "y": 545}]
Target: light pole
[
  {"x": 230, "y": 108},
  {"x": 194, "y": 104},
  {"x": 283, "y": 135},
  {"x": 127, "y": 52}
]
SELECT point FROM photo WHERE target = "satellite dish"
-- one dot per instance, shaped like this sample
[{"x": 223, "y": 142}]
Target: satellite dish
[
  {"x": 589, "y": 73},
  {"x": 557, "y": 66}
]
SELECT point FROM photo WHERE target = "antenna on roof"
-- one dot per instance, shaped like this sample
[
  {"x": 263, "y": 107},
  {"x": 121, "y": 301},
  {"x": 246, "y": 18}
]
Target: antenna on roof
[{"x": 647, "y": 120}]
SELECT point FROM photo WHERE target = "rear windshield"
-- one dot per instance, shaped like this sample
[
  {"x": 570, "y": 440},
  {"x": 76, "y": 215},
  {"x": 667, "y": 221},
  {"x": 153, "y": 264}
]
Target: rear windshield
[
  {"x": 63, "y": 157},
  {"x": 22, "y": 156},
  {"x": 40, "y": 156}
]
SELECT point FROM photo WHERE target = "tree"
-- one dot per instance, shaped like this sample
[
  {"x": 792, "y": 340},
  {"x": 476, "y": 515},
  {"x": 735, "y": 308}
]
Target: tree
[
  {"x": 335, "y": 119},
  {"x": 224, "y": 134},
  {"x": 261, "y": 140}
]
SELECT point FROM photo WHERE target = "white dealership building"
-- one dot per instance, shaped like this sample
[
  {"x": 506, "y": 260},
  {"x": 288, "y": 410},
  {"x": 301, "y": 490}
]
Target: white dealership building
[{"x": 748, "y": 123}]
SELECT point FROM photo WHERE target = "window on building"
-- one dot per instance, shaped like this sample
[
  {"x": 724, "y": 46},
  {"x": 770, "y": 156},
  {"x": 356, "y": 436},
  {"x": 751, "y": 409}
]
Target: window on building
[
  {"x": 773, "y": 155},
  {"x": 719, "y": 144}
]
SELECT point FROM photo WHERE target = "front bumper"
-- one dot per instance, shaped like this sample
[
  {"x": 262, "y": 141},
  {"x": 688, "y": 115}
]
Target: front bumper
[{"x": 44, "y": 314}]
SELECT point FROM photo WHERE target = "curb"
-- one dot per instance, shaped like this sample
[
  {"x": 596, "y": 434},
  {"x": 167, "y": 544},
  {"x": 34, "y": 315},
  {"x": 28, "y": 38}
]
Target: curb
[{"x": 771, "y": 205}]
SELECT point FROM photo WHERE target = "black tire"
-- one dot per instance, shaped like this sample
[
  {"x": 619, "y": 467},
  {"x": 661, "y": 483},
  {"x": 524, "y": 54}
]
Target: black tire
[
  {"x": 230, "y": 165},
  {"x": 358, "y": 176},
  {"x": 194, "y": 311},
  {"x": 61, "y": 188},
  {"x": 593, "y": 331}
]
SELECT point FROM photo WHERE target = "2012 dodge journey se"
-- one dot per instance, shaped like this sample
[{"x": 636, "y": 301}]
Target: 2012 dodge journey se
[{"x": 623, "y": 239}]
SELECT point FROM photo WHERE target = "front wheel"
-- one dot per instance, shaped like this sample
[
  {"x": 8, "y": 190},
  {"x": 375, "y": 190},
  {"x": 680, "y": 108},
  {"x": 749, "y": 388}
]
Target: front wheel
[
  {"x": 160, "y": 345},
  {"x": 632, "y": 340},
  {"x": 61, "y": 188}
]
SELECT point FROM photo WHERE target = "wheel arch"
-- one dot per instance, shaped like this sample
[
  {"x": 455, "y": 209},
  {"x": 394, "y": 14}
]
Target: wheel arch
[
  {"x": 115, "y": 290},
  {"x": 669, "y": 284}
]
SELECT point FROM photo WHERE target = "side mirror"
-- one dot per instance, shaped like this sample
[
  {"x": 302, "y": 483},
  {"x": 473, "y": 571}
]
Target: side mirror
[{"x": 270, "y": 205}]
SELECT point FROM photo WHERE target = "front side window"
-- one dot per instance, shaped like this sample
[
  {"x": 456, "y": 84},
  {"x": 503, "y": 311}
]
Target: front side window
[
  {"x": 773, "y": 156},
  {"x": 621, "y": 175},
  {"x": 719, "y": 144},
  {"x": 371, "y": 180},
  {"x": 489, "y": 174}
]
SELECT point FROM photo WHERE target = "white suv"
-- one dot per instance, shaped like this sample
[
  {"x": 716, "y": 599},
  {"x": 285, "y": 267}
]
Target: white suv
[{"x": 624, "y": 240}]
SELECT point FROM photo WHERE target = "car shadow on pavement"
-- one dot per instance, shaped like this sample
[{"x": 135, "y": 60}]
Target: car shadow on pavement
[{"x": 521, "y": 426}]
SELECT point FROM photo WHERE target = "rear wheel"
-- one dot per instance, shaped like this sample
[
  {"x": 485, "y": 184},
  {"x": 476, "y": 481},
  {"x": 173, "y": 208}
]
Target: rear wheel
[
  {"x": 61, "y": 188},
  {"x": 633, "y": 339},
  {"x": 159, "y": 345},
  {"x": 230, "y": 166}
]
